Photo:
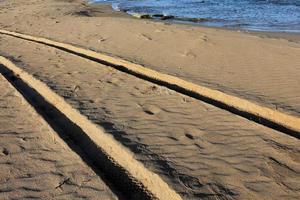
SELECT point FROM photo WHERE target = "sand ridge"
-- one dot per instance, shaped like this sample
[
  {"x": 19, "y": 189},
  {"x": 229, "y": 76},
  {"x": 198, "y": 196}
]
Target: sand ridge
[
  {"x": 253, "y": 67},
  {"x": 35, "y": 162},
  {"x": 151, "y": 182},
  {"x": 198, "y": 149},
  {"x": 277, "y": 118}
]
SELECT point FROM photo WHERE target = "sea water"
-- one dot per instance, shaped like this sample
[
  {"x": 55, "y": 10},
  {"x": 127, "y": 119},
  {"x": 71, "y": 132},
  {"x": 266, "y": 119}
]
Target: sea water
[{"x": 261, "y": 15}]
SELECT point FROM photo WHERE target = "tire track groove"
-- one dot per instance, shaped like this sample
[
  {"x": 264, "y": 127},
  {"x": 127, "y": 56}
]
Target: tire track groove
[
  {"x": 124, "y": 170},
  {"x": 272, "y": 118}
]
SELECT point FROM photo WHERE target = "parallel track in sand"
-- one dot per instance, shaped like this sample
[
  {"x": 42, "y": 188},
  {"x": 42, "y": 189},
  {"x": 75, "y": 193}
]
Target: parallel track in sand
[
  {"x": 272, "y": 118},
  {"x": 119, "y": 165}
]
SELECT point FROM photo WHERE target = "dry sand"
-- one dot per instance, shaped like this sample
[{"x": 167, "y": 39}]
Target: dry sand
[
  {"x": 256, "y": 67},
  {"x": 35, "y": 162},
  {"x": 199, "y": 150}
]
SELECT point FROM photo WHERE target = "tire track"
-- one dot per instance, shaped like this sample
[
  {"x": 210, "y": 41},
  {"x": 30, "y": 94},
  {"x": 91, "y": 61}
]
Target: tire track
[
  {"x": 125, "y": 171},
  {"x": 36, "y": 162},
  {"x": 272, "y": 118}
]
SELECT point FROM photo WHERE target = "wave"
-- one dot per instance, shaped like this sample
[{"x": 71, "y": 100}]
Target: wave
[{"x": 275, "y": 15}]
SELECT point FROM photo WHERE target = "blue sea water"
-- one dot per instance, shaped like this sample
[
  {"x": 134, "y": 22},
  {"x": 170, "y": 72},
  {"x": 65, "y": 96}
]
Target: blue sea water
[{"x": 262, "y": 15}]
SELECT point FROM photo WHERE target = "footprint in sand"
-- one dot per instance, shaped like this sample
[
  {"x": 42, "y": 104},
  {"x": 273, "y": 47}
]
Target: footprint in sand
[
  {"x": 194, "y": 133},
  {"x": 149, "y": 90},
  {"x": 159, "y": 30},
  {"x": 188, "y": 54},
  {"x": 205, "y": 38},
  {"x": 113, "y": 81},
  {"x": 101, "y": 39},
  {"x": 76, "y": 88},
  {"x": 197, "y": 137},
  {"x": 5, "y": 152},
  {"x": 97, "y": 100},
  {"x": 190, "y": 136},
  {"x": 146, "y": 37},
  {"x": 59, "y": 65},
  {"x": 187, "y": 100},
  {"x": 191, "y": 54},
  {"x": 151, "y": 110}
]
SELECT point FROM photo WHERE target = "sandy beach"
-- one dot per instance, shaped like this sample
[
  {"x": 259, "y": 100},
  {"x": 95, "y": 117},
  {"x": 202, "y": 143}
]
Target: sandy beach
[
  {"x": 199, "y": 150},
  {"x": 35, "y": 162}
]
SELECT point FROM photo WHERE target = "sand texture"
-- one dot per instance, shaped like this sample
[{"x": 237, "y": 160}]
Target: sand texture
[
  {"x": 258, "y": 68},
  {"x": 270, "y": 117},
  {"x": 35, "y": 162},
  {"x": 114, "y": 161},
  {"x": 199, "y": 150}
]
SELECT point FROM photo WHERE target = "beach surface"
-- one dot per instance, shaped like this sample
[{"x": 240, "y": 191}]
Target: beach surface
[
  {"x": 201, "y": 151},
  {"x": 254, "y": 67},
  {"x": 35, "y": 162}
]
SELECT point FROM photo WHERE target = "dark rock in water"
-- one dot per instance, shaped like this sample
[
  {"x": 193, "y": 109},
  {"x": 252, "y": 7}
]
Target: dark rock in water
[
  {"x": 158, "y": 15},
  {"x": 197, "y": 20},
  {"x": 146, "y": 17},
  {"x": 124, "y": 10},
  {"x": 167, "y": 17},
  {"x": 141, "y": 16},
  {"x": 163, "y": 17}
]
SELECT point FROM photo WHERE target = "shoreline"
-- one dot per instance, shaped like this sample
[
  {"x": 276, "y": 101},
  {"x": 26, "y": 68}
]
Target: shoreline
[{"x": 288, "y": 35}]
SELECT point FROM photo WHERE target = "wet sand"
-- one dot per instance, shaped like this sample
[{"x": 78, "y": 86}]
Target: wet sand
[{"x": 199, "y": 150}]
